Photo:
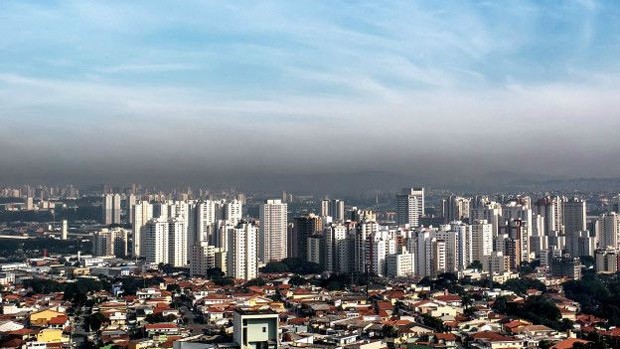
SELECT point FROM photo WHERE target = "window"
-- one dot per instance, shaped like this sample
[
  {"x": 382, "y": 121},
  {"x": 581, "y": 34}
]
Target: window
[{"x": 264, "y": 329}]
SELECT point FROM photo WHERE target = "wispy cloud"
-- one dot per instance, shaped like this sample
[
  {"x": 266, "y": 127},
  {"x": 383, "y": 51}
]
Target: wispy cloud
[{"x": 374, "y": 78}]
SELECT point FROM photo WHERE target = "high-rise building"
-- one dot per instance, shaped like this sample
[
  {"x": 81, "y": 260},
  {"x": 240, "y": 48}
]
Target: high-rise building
[
  {"x": 401, "y": 265},
  {"x": 315, "y": 249},
  {"x": 482, "y": 239},
  {"x": 206, "y": 218},
  {"x": 607, "y": 260},
  {"x": 456, "y": 208},
  {"x": 337, "y": 250},
  {"x": 202, "y": 259},
  {"x": 512, "y": 249},
  {"x": 574, "y": 211},
  {"x": 363, "y": 232},
  {"x": 111, "y": 242},
  {"x": 303, "y": 228},
  {"x": 232, "y": 212},
  {"x": 142, "y": 213},
  {"x": 242, "y": 261},
  {"x": 410, "y": 206},
  {"x": 177, "y": 242},
  {"x": 156, "y": 237},
  {"x": 464, "y": 244},
  {"x": 111, "y": 209},
  {"x": 64, "y": 230},
  {"x": 551, "y": 209},
  {"x": 272, "y": 244},
  {"x": 580, "y": 243},
  {"x": 129, "y": 207},
  {"x": 566, "y": 267},
  {"x": 608, "y": 225},
  {"x": 496, "y": 263},
  {"x": 333, "y": 208},
  {"x": 490, "y": 212}
]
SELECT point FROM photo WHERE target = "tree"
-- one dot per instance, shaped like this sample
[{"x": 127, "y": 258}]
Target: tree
[
  {"x": 173, "y": 288},
  {"x": 434, "y": 323},
  {"x": 94, "y": 321},
  {"x": 389, "y": 331},
  {"x": 215, "y": 273},
  {"x": 475, "y": 265},
  {"x": 256, "y": 282},
  {"x": 274, "y": 267},
  {"x": 157, "y": 318},
  {"x": 521, "y": 285},
  {"x": 297, "y": 280}
]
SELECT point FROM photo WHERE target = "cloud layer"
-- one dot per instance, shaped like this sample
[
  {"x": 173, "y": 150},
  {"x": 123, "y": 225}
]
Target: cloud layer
[{"x": 156, "y": 91}]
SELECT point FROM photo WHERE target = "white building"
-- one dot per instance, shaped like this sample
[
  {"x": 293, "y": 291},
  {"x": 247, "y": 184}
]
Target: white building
[
  {"x": 156, "y": 249},
  {"x": 111, "y": 209},
  {"x": 242, "y": 251},
  {"x": 256, "y": 329},
  {"x": 142, "y": 213},
  {"x": 177, "y": 242},
  {"x": 401, "y": 265},
  {"x": 482, "y": 239},
  {"x": 272, "y": 244},
  {"x": 202, "y": 259}
]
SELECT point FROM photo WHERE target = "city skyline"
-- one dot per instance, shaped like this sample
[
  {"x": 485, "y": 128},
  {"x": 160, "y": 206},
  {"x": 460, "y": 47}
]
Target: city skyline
[{"x": 235, "y": 94}]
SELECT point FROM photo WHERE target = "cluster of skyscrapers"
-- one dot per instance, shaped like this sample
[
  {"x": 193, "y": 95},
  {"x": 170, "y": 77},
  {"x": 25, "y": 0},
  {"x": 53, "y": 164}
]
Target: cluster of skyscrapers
[
  {"x": 202, "y": 234},
  {"x": 494, "y": 236}
]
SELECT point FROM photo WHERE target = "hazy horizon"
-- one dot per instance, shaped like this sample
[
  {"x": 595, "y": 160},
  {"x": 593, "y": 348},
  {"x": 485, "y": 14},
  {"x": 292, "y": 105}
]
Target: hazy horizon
[{"x": 237, "y": 93}]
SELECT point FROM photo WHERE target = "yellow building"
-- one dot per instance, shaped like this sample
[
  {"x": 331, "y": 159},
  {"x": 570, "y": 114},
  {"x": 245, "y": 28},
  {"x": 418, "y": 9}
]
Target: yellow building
[
  {"x": 52, "y": 335},
  {"x": 43, "y": 317}
]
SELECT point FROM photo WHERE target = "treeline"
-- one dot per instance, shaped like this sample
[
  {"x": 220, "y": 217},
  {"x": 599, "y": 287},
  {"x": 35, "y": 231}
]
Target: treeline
[
  {"x": 34, "y": 247},
  {"x": 77, "y": 292},
  {"x": 536, "y": 309},
  {"x": 292, "y": 265},
  {"x": 598, "y": 295}
]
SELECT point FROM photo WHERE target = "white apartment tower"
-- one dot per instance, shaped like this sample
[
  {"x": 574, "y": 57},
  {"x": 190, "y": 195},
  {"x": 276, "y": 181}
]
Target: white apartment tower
[
  {"x": 177, "y": 242},
  {"x": 111, "y": 209},
  {"x": 272, "y": 244},
  {"x": 142, "y": 213},
  {"x": 156, "y": 235},
  {"x": 202, "y": 258},
  {"x": 482, "y": 240},
  {"x": 241, "y": 259},
  {"x": 205, "y": 215}
]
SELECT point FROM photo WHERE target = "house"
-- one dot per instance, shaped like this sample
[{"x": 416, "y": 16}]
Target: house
[
  {"x": 43, "y": 317},
  {"x": 8, "y": 326},
  {"x": 569, "y": 343},
  {"x": 494, "y": 340},
  {"x": 52, "y": 335}
]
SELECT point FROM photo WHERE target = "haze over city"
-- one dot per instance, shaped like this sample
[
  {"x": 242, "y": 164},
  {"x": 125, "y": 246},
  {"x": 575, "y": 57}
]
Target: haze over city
[{"x": 235, "y": 93}]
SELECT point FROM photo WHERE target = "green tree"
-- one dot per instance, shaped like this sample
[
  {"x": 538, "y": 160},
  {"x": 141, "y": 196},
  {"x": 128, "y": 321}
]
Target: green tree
[
  {"x": 94, "y": 321},
  {"x": 475, "y": 265},
  {"x": 297, "y": 280}
]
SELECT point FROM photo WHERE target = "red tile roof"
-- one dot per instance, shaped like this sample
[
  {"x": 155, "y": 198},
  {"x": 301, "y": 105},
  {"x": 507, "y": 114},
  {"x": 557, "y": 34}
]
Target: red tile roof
[
  {"x": 568, "y": 343},
  {"x": 160, "y": 326}
]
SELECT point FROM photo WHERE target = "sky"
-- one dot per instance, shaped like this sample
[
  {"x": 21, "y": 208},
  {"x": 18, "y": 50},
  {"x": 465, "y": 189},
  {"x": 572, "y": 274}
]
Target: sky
[{"x": 200, "y": 91}]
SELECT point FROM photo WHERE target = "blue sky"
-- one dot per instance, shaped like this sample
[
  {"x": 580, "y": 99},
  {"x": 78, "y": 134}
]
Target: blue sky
[{"x": 267, "y": 82}]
